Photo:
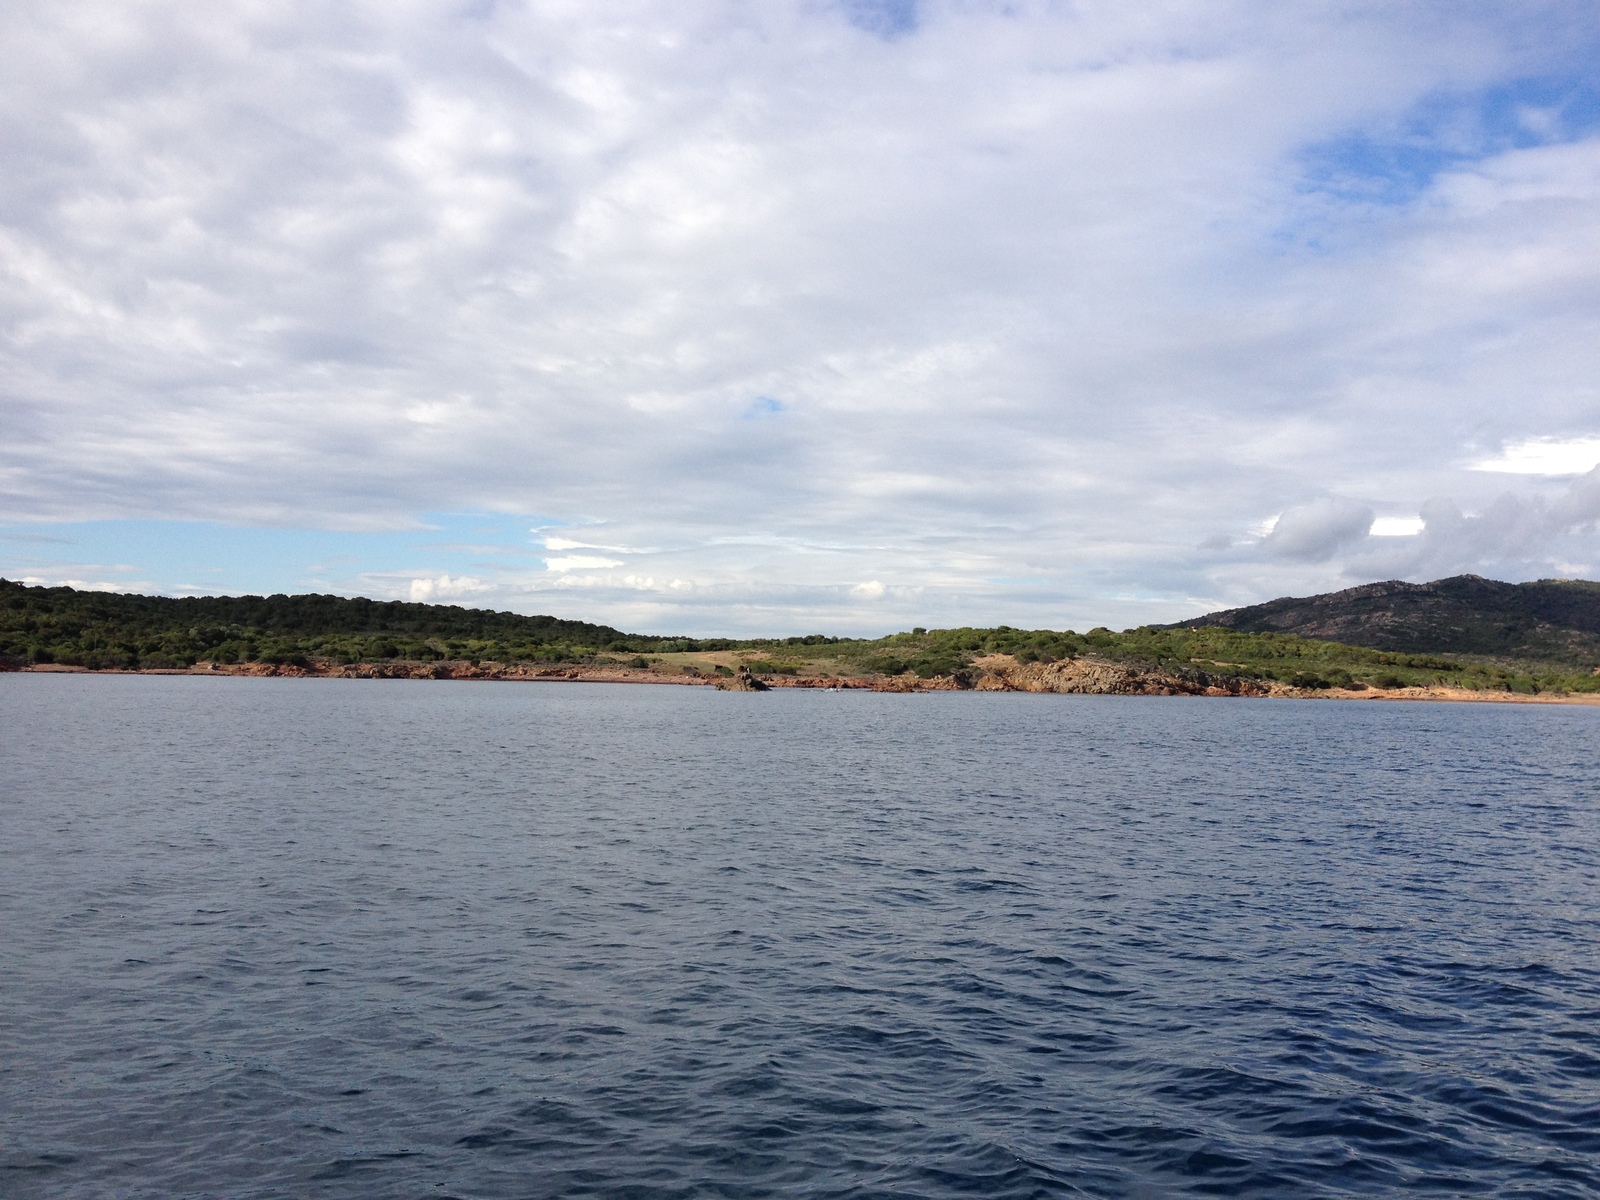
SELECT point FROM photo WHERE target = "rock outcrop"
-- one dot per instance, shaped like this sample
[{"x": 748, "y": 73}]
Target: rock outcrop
[
  {"x": 997, "y": 673},
  {"x": 742, "y": 682},
  {"x": 1096, "y": 677}
]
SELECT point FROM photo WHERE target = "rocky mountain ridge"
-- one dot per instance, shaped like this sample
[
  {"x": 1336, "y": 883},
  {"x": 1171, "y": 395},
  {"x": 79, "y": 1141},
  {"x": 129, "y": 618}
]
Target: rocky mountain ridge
[{"x": 1556, "y": 620}]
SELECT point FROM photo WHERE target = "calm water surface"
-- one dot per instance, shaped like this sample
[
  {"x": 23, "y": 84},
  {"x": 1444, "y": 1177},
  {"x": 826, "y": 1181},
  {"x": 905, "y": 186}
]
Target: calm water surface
[{"x": 284, "y": 938}]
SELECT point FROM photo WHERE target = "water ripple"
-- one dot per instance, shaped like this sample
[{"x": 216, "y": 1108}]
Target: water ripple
[{"x": 280, "y": 938}]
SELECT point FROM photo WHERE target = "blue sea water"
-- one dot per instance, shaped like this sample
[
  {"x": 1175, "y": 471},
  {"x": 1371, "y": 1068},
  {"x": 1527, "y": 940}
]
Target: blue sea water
[{"x": 320, "y": 938}]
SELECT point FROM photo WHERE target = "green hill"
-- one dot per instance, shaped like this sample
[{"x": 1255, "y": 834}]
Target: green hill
[
  {"x": 1552, "y": 620},
  {"x": 106, "y": 629}
]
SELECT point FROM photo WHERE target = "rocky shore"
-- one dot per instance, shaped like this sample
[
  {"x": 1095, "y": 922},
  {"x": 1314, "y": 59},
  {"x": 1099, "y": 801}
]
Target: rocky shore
[{"x": 998, "y": 673}]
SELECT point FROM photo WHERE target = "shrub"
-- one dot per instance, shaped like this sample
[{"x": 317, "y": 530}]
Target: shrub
[
  {"x": 767, "y": 667},
  {"x": 930, "y": 665}
]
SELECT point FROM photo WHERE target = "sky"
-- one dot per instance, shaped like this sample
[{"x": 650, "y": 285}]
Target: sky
[{"x": 799, "y": 316}]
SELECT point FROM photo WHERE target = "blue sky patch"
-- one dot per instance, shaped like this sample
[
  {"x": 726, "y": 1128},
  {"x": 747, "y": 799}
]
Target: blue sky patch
[
  {"x": 888, "y": 19},
  {"x": 203, "y": 557},
  {"x": 764, "y": 406},
  {"x": 1394, "y": 165}
]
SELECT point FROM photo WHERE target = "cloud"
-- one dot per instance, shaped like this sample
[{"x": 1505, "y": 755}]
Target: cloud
[
  {"x": 85, "y": 585},
  {"x": 870, "y": 590},
  {"x": 561, "y": 543},
  {"x": 581, "y": 562},
  {"x": 1546, "y": 456},
  {"x": 1058, "y": 299},
  {"x": 432, "y": 591},
  {"x": 1513, "y": 536},
  {"x": 1397, "y": 526},
  {"x": 1314, "y": 532}
]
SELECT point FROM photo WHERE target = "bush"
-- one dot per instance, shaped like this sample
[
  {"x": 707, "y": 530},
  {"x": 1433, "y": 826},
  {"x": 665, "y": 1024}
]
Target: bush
[
  {"x": 766, "y": 667},
  {"x": 164, "y": 660},
  {"x": 930, "y": 665}
]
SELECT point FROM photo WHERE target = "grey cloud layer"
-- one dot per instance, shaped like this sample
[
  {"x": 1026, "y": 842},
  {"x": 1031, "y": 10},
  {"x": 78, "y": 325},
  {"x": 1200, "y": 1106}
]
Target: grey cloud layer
[{"x": 1043, "y": 295}]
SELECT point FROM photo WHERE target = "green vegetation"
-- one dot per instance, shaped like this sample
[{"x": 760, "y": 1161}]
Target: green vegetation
[
  {"x": 107, "y": 630},
  {"x": 103, "y": 630},
  {"x": 1312, "y": 663},
  {"x": 1286, "y": 658}
]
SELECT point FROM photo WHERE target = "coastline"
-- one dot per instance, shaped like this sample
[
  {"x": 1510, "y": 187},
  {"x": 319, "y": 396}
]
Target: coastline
[{"x": 996, "y": 673}]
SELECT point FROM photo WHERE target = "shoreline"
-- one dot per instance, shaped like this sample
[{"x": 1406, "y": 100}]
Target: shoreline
[{"x": 995, "y": 674}]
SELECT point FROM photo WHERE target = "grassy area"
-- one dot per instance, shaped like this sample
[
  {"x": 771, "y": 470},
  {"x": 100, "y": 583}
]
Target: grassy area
[{"x": 102, "y": 630}]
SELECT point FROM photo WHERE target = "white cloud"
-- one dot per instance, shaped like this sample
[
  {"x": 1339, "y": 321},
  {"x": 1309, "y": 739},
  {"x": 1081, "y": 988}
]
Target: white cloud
[
  {"x": 445, "y": 587},
  {"x": 1511, "y": 537},
  {"x": 561, "y": 543},
  {"x": 85, "y": 585},
  {"x": 1546, "y": 456},
  {"x": 1397, "y": 527},
  {"x": 581, "y": 562},
  {"x": 870, "y": 590},
  {"x": 1041, "y": 293}
]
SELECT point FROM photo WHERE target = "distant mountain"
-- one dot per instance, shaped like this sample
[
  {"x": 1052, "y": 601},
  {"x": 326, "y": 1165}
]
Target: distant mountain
[{"x": 1553, "y": 619}]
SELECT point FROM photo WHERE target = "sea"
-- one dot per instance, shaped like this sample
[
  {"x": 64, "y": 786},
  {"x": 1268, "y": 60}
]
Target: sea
[{"x": 341, "y": 938}]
